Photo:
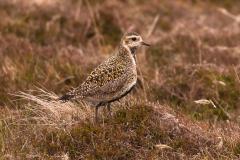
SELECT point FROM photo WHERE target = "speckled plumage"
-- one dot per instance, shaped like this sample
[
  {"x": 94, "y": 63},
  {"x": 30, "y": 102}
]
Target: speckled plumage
[{"x": 113, "y": 79}]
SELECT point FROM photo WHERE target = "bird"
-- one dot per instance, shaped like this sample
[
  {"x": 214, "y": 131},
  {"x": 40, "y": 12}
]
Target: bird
[{"x": 111, "y": 80}]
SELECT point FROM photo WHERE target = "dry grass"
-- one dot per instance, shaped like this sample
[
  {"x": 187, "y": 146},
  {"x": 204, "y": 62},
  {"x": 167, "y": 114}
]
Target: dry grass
[{"x": 194, "y": 57}]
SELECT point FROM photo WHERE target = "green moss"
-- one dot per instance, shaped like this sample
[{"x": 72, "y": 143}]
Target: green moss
[
  {"x": 237, "y": 149},
  {"x": 105, "y": 141},
  {"x": 187, "y": 84},
  {"x": 96, "y": 141}
]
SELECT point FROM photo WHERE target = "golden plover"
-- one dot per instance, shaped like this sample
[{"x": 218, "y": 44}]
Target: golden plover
[{"x": 111, "y": 80}]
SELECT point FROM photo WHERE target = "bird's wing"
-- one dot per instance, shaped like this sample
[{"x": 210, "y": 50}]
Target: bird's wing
[{"x": 104, "y": 80}]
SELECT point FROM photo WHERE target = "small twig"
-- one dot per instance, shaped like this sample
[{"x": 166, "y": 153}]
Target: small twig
[
  {"x": 226, "y": 13},
  {"x": 99, "y": 37},
  {"x": 153, "y": 25},
  {"x": 78, "y": 10},
  {"x": 163, "y": 146},
  {"x": 229, "y": 116},
  {"x": 200, "y": 51},
  {"x": 86, "y": 29},
  {"x": 140, "y": 70},
  {"x": 236, "y": 73},
  {"x": 204, "y": 101},
  {"x": 64, "y": 80}
]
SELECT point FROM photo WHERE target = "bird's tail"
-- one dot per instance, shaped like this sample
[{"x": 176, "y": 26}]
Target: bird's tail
[{"x": 65, "y": 98}]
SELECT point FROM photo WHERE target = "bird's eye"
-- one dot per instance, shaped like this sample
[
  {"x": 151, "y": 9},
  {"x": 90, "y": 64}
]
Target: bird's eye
[{"x": 134, "y": 39}]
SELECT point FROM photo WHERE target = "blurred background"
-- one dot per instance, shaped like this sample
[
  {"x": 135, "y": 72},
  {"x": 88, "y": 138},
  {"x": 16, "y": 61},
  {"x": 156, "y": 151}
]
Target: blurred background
[{"x": 194, "y": 51}]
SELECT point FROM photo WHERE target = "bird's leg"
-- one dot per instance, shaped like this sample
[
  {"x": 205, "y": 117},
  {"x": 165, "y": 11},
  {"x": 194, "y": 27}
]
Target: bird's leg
[
  {"x": 109, "y": 109},
  {"x": 96, "y": 113}
]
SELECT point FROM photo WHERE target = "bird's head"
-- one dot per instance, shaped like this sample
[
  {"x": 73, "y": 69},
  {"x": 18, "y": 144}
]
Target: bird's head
[{"x": 132, "y": 40}]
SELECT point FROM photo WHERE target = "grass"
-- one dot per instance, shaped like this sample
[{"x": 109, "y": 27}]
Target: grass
[{"x": 46, "y": 48}]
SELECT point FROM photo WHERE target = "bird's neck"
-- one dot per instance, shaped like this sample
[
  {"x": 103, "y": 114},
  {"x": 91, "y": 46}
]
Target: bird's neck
[
  {"x": 133, "y": 53},
  {"x": 133, "y": 50},
  {"x": 130, "y": 50},
  {"x": 126, "y": 51}
]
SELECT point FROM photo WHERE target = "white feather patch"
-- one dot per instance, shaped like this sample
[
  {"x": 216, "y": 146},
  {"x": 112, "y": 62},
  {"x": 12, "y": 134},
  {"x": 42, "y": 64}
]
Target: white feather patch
[{"x": 129, "y": 51}]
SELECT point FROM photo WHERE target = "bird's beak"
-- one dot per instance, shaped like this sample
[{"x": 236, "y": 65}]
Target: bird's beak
[{"x": 144, "y": 43}]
